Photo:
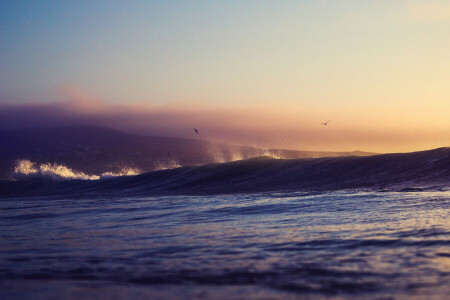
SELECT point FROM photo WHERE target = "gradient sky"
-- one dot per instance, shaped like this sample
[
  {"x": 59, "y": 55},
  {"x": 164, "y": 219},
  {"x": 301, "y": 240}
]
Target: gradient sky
[{"x": 263, "y": 73}]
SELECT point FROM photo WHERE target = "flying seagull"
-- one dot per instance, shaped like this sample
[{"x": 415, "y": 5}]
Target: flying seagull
[
  {"x": 325, "y": 123},
  {"x": 196, "y": 131}
]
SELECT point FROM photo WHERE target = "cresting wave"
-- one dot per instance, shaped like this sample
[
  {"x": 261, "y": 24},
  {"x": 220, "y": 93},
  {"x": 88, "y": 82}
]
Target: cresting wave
[
  {"x": 417, "y": 170},
  {"x": 173, "y": 164},
  {"x": 26, "y": 169}
]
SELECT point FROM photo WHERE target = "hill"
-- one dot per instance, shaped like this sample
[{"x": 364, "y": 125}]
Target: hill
[{"x": 96, "y": 150}]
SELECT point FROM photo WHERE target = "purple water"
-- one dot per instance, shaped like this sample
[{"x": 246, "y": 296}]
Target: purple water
[{"x": 333, "y": 245}]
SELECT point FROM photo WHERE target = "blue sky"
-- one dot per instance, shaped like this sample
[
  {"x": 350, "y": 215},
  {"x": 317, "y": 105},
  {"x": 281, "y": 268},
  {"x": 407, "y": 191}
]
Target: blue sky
[
  {"x": 248, "y": 51},
  {"x": 383, "y": 61}
]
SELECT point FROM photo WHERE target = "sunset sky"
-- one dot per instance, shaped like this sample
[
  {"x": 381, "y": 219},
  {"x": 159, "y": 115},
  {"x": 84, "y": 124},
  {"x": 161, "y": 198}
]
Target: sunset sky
[{"x": 260, "y": 73}]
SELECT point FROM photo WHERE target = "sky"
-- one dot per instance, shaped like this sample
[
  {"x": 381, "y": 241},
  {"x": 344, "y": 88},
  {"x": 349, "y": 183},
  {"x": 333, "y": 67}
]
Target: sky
[{"x": 260, "y": 73}]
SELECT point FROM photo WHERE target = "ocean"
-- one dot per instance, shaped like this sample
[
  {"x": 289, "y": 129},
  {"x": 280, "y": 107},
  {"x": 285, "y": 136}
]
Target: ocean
[{"x": 352, "y": 243}]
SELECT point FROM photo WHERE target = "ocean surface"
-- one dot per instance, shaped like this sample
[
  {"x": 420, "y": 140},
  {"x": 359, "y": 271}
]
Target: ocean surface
[{"x": 298, "y": 245}]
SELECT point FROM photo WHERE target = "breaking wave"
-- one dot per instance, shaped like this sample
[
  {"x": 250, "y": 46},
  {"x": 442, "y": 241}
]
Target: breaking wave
[
  {"x": 272, "y": 155},
  {"x": 26, "y": 169},
  {"x": 123, "y": 172},
  {"x": 173, "y": 164},
  {"x": 404, "y": 171}
]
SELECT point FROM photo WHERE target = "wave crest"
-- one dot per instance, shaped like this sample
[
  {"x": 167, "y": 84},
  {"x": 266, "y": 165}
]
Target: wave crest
[
  {"x": 26, "y": 169},
  {"x": 272, "y": 155},
  {"x": 173, "y": 164}
]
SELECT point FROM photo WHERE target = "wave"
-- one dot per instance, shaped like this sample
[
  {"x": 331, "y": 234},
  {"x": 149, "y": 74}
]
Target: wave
[
  {"x": 95, "y": 150},
  {"x": 173, "y": 164},
  {"x": 26, "y": 169},
  {"x": 407, "y": 171}
]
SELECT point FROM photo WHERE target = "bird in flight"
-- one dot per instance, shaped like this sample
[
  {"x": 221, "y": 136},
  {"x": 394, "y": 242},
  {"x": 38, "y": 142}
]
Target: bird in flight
[
  {"x": 196, "y": 131},
  {"x": 325, "y": 123}
]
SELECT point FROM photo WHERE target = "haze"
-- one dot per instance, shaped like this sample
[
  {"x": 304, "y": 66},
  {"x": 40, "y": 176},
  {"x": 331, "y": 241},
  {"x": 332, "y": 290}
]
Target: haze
[{"x": 260, "y": 73}]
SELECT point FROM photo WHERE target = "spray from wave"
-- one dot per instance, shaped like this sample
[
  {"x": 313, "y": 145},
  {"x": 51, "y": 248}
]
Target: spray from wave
[
  {"x": 271, "y": 155},
  {"x": 123, "y": 172},
  {"x": 173, "y": 164},
  {"x": 225, "y": 154},
  {"x": 228, "y": 154},
  {"x": 28, "y": 169}
]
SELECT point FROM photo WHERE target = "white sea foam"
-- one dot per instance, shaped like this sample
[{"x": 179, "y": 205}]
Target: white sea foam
[
  {"x": 26, "y": 168},
  {"x": 173, "y": 164},
  {"x": 271, "y": 155},
  {"x": 123, "y": 172}
]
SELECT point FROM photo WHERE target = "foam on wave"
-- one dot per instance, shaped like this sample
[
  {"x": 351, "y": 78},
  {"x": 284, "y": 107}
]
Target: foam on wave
[
  {"x": 173, "y": 164},
  {"x": 402, "y": 171},
  {"x": 26, "y": 169},
  {"x": 272, "y": 155}
]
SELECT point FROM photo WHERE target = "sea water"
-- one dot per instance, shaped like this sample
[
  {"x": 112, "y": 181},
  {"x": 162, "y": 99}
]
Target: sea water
[{"x": 335, "y": 245}]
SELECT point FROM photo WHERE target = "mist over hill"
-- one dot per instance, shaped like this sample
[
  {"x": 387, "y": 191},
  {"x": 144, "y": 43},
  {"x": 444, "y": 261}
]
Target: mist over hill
[{"x": 96, "y": 150}]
